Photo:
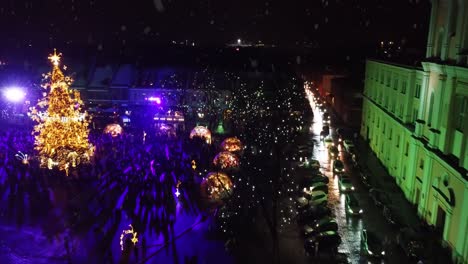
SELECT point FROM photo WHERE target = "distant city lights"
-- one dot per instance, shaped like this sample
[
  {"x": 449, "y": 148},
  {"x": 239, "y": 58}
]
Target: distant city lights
[{"x": 14, "y": 94}]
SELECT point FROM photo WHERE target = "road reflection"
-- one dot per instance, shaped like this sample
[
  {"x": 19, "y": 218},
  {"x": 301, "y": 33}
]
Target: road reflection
[{"x": 350, "y": 227}]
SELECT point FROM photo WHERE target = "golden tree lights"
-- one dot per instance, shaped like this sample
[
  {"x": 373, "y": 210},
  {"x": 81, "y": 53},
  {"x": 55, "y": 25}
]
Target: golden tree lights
[
  {"x": 225, "y": 160},
  {"x": 201, "y": 132},
  {"x": 61, "y": 135},
  {"x": 217, "y": 186},
  {"x": 231, "y": 144}
]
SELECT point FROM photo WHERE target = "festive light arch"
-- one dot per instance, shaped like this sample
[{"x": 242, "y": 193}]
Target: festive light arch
[
  {"x": 231, "y": 144},
  {"x": 226, "y": 160},
  {"x": 217, "y": 186},
  {"x": 201, "y": 132}
]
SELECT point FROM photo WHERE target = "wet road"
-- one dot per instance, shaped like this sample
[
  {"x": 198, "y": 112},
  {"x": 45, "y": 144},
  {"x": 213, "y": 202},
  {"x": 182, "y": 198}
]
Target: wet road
[{"x": 350, "y": 227}]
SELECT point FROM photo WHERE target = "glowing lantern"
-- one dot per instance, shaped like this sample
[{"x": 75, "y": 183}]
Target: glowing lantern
[
  {"x": 226, "y": 160},
  {"x": 217, "y": 186},
  {"x": 201, "y": 132},
  {"x": 113, "y": 129},
  {"x": 231, "y": 144}
]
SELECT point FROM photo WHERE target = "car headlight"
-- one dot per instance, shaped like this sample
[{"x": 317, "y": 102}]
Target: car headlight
[
  {"x": 361, "y": 211},
  {"x": 369, "y": 252},
  {"x": 343, "y": 188},
  {"x": 383, "y": 253},
  {"x": 350, "y": 211},
  {"x": 352, "y": 188}
]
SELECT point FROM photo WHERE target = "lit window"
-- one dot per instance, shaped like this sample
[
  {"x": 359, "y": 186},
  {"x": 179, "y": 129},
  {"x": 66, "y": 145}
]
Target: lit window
[
  {"x": 462, "y": 103},
  {"x": 417, "y": 92}
]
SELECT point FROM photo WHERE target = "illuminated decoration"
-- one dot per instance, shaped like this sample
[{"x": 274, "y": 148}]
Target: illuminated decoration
[
  {"x": 157, "y": 100},
  {"x": 113, "y": 129},
  {"x": 226, "y": 159},
  {"x": 177, "y": 193},
  {"x": 232, "y": 144},
  {"x": 144, "y": 137},
  {"x": 61, "y": 135},
  {"x": 194, "y": 165},
  {"x": 217, "y": 186},
  {"x": 201, "y": 132},
  {"x": 126, "y": 232},
  {"x": 14, "y": 94},
  {"x": 24, "y": 158}
]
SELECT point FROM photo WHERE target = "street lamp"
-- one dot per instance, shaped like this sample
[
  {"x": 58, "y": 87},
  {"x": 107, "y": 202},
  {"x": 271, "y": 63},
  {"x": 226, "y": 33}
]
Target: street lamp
[{"x": 14, "y": 94}]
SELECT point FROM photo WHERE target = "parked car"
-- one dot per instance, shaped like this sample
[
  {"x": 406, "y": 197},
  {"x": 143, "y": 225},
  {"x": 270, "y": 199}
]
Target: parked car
[
  {"x": 379, "y": 197},
  {"x": 313, "y": 213},
  {"x": 328, "y": 141},
  {"x": 344, "y": 184},
  {"x": 392, "y": 217},
  {"x": 347, "y": 143},
  {"x": 352, "y": 205},
  {"x": 316, "y": 186},
  {"x": 371, "y": 245},
  {"x": 338, "y": 167},
  {"x": 333, "y": 152},
  {"x": 329, "y": 239},
  {"x": 326, "y": 129},
  {"x": 318, "y": 199},
  {"x": 412, "y": 244},
  {"x": 308, "y": 180},
  {"x": 325, "y": 224}
]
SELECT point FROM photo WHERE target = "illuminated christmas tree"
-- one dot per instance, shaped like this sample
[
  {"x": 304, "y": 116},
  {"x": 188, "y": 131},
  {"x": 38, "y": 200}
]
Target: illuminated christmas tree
[{"x": 61, "y": 135}]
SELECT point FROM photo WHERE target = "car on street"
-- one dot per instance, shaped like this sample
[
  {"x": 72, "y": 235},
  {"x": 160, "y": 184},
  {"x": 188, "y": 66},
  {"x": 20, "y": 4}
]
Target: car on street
[
  {"x": 344, "y": 183},
  {"x": 412, "y": 243},
  {"x": 352, "y": 205},
  {"x": 392, "y": 217},
  {"x": 302, "y": 203},
  {"x": 347, "y": 143},
  {"x": 371, "y": 245},
  {"x": 322, "y": 225},
  {"x": 316, "y": 186},
  {"x": 333, "y": 152},
  {"x": 311, "y": 179},
  {"x": 328, "y": 141},
  {"x": 379, "y": 197},
  {"x": 326, "y": 239},
  {"x": 338, "y": 167},
  {"x": 326, "y": 129},
  {"x": 318, "y": 199},
  {"x": 311, "y": 213}
]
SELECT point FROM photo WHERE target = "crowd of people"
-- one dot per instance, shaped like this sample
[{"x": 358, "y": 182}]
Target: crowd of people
[{"x": 143, "y": 175}]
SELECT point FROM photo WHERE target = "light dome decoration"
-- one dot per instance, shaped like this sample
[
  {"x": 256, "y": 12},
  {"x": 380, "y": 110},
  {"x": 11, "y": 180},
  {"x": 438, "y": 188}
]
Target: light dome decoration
[
  {"x": 201, "y": 132},
  {"x": 231, "y": 144},
  {"x": 217, "y": 186},
  {"x": 226, "y": 160},
  {"x": 113, "y": 129}
]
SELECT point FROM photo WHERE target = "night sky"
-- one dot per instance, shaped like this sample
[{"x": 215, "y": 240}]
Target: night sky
[{"x": 108, "y": 24}]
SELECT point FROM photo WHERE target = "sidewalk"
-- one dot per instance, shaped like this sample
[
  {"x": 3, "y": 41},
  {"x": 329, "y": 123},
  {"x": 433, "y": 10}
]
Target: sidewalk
[{"x": 407, "y": 212}]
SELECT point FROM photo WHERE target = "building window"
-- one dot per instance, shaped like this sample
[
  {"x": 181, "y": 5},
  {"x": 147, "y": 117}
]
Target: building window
[
  {"x": 382, "y": 77},
  {"x": 421, "y": 163},
  {"x": 398, "y": 141},
  {"x": 392, "y": 108},
  {"x": 383, "y": 128},
  {"x": 378, "y": 122},
  {"x": 390, "y": 136},
  {"x": 403, "y": 87},
  {"x": 415, "y": 114},
  {"x": 462, "y": 103},
  {"x": 400, "y": 113},
  {"x": 431, "y": 108},
  {"x": 389, "y": 80},
  {"x": 395, "y": 83},
  {"x": 386, "y": 101},
  {"x": 417, "y": 92},
  {"x": 406, "y": 149}
]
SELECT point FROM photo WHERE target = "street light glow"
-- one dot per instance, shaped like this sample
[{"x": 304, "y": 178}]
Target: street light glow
[{"x": 14, "y": 94}]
